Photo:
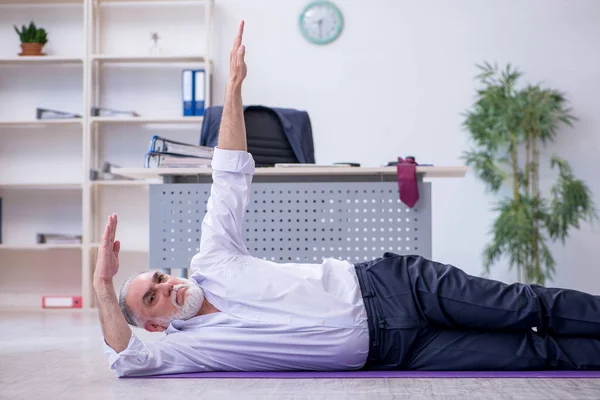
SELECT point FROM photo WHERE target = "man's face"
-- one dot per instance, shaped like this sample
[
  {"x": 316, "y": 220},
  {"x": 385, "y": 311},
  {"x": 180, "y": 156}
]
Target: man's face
[{"x": 158, "y": 299}]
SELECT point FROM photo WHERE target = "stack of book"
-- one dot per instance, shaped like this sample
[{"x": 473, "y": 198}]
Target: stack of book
[{"x": 166, "y": 153}]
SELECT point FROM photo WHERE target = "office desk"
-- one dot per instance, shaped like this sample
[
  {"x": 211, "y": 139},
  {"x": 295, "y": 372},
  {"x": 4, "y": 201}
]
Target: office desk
[{"x": 295, "y": 214}]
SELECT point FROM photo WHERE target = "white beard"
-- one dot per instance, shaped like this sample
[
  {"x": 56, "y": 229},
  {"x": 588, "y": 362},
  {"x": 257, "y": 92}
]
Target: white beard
[{"x": 192, "y": 301}]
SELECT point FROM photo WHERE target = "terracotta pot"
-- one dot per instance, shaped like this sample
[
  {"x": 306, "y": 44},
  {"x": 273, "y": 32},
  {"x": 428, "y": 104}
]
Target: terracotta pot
[{"x": 31, "y": 49}]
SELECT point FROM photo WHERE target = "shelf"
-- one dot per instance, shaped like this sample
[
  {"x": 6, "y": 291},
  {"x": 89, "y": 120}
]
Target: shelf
[
  {"x": 40, "y": 123},
  {"x": 40, "y": 2},
  {"x": 147, "y": 120},
  {"x": 105, "y": 58},
  {"x": 40, "y": 246},
  {"x": 40, "y": 185},
  {"x": 426, "y": 172},
  {"x": 29, "y": 179},
  {"x": 153, "y": 2},
  {"x": 34, "y": 60}
]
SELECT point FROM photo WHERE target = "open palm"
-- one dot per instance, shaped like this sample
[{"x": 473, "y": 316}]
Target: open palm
[
  {"x": 237, "y": 63},
  {"x": 107, "y": 264}
]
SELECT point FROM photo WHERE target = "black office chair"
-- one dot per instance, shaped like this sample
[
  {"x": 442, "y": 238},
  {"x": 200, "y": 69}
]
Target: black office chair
[{"x": 266, "y": 139}]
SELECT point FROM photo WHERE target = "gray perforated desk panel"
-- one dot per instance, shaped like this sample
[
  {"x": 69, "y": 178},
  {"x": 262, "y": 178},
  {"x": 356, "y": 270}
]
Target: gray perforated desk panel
[{"x": 303, "y": 221}]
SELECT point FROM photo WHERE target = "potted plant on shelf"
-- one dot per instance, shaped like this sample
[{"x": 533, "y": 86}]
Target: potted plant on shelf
[
  {"x": 508, "y": 126},
  {"x": 33, "y": 40}
]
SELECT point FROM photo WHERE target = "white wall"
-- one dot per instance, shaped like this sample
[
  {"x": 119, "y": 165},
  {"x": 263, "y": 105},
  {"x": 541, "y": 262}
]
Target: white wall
[
  {"x": 395, "y": 82},
  {"x": 399, "y": 77}
]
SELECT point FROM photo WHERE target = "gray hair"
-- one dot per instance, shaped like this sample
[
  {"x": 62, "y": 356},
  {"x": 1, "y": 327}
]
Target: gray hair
[{"x": 130, "y": 316}]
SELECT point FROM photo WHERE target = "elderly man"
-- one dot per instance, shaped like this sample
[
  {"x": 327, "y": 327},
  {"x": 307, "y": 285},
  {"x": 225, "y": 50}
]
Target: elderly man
[{"x": 238, "y": 312}]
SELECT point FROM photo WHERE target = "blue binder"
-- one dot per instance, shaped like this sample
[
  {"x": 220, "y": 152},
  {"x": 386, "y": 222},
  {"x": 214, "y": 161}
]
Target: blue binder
[
  {"x": 187, "y": 92},
  {"x": 199, "y": 92}
]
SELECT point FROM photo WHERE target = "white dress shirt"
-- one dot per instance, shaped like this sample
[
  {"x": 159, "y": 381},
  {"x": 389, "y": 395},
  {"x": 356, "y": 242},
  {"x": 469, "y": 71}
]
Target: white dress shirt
[{"x": 273, "y": 316}]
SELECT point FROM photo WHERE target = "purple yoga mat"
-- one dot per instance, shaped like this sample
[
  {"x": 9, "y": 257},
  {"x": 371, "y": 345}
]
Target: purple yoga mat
[{"x": 386, "y": 374}]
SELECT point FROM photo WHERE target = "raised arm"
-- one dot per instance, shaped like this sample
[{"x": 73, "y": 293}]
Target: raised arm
[
  {"x": 232, "y": 133},
  {"x": 233, "y": 168},
  {"x": 114, "y": 327}
]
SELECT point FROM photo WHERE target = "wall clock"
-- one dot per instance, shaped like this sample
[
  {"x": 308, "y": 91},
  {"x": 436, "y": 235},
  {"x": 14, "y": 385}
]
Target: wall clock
[{"x": 321, "y": 22}]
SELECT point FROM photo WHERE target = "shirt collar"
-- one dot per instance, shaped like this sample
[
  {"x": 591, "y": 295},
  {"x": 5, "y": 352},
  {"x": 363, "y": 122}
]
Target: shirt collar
[
  {"x": 179, "y": 325},
  {"x": 176, "y": 326}
]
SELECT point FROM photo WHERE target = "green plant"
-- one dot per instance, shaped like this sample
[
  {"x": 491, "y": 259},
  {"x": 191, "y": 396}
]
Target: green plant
[
  {"x": 507, "y": 126},
  {"x": 32, "y": 34}
]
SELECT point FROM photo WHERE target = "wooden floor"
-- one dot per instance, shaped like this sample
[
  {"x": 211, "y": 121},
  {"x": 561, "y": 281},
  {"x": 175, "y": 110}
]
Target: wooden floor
[{"x": 58, "y": 355}]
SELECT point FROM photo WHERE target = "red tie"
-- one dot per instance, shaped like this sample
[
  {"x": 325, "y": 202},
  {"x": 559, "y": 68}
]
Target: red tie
[{"x": 407, "y": 181}]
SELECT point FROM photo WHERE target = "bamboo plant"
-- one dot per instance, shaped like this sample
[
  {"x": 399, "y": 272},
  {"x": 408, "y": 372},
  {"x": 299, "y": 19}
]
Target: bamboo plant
[{"x": 508, "y": 125}]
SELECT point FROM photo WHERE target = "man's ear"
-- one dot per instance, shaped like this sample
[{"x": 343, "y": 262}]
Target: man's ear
[{"x": 150, "y": 327}]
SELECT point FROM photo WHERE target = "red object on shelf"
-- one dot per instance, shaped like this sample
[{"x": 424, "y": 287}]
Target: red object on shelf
[{"x": 61, "y": 302}]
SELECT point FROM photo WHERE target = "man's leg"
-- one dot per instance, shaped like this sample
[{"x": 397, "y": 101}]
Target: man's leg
[
  {"x": 448, "y": 297},
  {"x": 439, "y": 349}
]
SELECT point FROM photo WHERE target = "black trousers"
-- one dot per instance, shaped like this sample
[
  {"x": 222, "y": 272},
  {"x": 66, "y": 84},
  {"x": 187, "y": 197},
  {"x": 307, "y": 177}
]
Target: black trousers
[{"x": 424, "y": 315}]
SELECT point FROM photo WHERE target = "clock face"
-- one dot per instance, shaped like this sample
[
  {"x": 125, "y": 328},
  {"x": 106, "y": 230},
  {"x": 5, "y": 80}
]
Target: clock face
[{"x": 321, "y": 22}]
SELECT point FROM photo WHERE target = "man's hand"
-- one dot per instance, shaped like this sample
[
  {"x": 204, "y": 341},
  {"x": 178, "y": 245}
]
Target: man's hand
[
  {"x": 114, "y": 327},
  {"x": 232, "y": 133},
  {"x": 107, "y": 264},
  {"x": 237, "y": 64}
]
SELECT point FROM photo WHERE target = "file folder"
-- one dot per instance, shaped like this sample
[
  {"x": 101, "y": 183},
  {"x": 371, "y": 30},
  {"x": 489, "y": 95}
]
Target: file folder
[
  {"x": 160, "y": 144},
  {"x": 164, "y": 160},
  {"x": 199, "y": 92},
  {"x": 62, "y": 301},
  {"x": 58, "y": 238},
  {"x": 107, "y": 112},
  {"x": 45, "y": 113},
  {"x": 187, "y": 92}
]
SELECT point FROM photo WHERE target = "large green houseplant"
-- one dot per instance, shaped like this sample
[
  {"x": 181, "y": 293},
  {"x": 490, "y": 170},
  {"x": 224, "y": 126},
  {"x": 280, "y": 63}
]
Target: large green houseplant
[{"x": 507, "y": 126}]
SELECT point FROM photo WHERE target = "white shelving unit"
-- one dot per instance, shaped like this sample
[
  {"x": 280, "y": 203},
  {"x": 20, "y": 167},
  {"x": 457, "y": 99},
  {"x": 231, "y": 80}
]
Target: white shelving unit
[
  {"x": 21, "y": 3},
  {"x": 42, "y": 247},
  {"x": 147, "y": 120},
  {"x": 41, "y": 123},
  {"x": 41, "y": 185},
  {"x": 94, "y": 67},
  {"x": 147, "y": 59},
  {"x": 40, "y": 60}
]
